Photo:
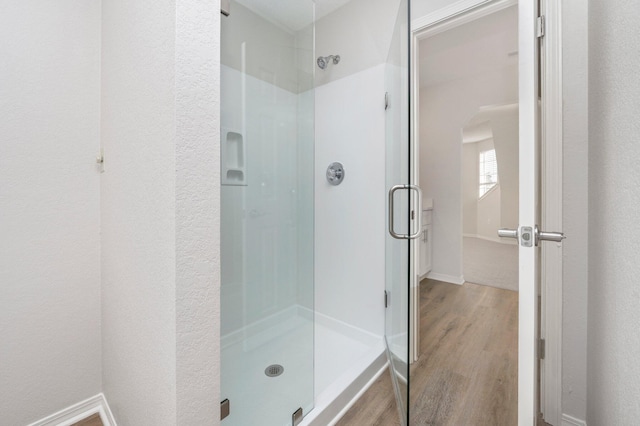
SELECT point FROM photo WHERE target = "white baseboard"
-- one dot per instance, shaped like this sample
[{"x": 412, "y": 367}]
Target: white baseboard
[
  {"x": 446, "y": 278},
  {"x": 567, "y": 420},
  {"x": 80, "y": 411}
]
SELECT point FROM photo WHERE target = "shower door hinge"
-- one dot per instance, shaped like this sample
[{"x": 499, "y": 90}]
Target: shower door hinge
[
  {"x": 100, "y": 160},
  {"x": 386, "y": 299},
  {"x": 225, "y": 409},
  {"x": 296, "y": 417},
  {"x": 540, "y": 26},
  {"x": 541, "y": 349},
  {"x": 387, "y": 104},
  {"x": 225, "y": 7}
]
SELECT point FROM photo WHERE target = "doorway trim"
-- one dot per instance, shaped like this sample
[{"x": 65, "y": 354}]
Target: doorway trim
[{"x": 451, "y": 16}]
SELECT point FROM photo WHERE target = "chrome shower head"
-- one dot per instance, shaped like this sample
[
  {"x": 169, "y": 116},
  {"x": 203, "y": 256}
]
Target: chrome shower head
[{"x": 323, "y": 61}]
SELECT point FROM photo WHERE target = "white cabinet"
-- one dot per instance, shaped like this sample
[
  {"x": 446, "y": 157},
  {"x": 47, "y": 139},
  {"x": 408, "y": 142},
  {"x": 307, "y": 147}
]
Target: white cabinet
[{"x": 424, "y": 247}]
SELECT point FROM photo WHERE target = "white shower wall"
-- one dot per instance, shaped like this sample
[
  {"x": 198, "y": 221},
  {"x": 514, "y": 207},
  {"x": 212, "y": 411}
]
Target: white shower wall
[{"x": 350, "y": 218}]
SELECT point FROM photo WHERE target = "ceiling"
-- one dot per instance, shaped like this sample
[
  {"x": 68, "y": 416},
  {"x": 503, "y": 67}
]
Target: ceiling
[{"x": 483, "y": 45}]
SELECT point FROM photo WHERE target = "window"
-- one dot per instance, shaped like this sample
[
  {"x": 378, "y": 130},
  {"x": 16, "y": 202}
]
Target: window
[{"x": 488, "y": 171}]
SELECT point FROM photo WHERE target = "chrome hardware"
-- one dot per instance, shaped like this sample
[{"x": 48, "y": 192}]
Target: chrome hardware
[
  {"x": 530, "y": 236},
  {"x": 542, "y": 348},
  {"x": 100, "y": 160},
  {"x": 225, "y": 409},
  {"x": 225, "y": 7},
  {"x": 548, "y": 236},
  {"x": 323, "y": 61},
  {"x": 391, "y": 218},
  {"x": 508, "y": 233},
  {"x": 540, "y": 26},
  {"x": 335, "y": 173},
  {"x": 296, "y": 417},
  {"x": 526, "y": 236},
  {"x": 387, "y": 102}
]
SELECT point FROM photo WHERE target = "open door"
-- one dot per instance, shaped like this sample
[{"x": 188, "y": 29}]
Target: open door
[
  {"x": 528, "y": 234},
  {"x": 402, "y": 195},
  {"x": 529, "y": 161}
]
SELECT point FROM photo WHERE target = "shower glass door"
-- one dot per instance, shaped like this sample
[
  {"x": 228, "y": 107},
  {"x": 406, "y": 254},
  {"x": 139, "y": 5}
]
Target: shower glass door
[
  {"x": 397, "y": 243},
  {"x": 267, "y": 148}
]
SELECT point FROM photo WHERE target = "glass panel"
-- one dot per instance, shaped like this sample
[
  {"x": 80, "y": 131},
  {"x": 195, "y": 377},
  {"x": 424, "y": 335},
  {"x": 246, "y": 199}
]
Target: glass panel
[
  {"x": 397, "y": 172},
  {"x": 267, "y": 162}
]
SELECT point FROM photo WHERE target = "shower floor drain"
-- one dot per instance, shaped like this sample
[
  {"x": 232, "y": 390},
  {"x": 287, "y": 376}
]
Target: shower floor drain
[{"x": 274, "y": 370}]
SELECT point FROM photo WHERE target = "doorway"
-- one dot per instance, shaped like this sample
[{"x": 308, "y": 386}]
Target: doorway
[
  {"x": 466, "y": 371},
  {"x": 538, "y": 97}
]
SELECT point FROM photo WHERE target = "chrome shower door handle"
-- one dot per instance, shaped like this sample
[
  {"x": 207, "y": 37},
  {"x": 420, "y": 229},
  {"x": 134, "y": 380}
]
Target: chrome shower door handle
[{"x": 391, "y": 215}]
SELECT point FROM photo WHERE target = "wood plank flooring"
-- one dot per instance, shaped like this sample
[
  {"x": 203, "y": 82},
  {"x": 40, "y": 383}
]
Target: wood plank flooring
[
  {"x": 467, "y": 373},
  {"x": 90, "y": 421}
]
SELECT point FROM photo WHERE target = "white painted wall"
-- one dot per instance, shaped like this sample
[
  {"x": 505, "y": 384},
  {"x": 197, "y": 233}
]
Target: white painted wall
[
  {"x": 420, "y": 8},
  {"x": 49, "y": 207},
  {"x": 613, "y": 370},
  {"x": 575, "y": 190},
  {"x": 470, "y": 188},
  {"x": 263, "y": 48},
  {"x": 160, "y": 261}
]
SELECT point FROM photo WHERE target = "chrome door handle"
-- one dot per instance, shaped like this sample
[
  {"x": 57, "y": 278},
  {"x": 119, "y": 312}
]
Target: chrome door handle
[
  {"x": 391, "y": 218},
  {"x": 508, "y": 233},
  {"x": 548, "y": 236}
]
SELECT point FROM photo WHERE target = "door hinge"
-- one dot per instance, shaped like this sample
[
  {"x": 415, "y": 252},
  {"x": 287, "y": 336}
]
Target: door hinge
[
  {"x": 540, "y": 26},
  {"x": 542, "y": 348},
  {"x": 225, "y": 409},
  {"x": 296, "y": 417},
  {"x": 386, "y": 299},
  {"x": 387, "y": 104}
]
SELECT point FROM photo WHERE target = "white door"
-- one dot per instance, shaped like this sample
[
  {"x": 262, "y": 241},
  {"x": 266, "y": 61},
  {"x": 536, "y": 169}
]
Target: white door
[{"x": 529, "y": 134}]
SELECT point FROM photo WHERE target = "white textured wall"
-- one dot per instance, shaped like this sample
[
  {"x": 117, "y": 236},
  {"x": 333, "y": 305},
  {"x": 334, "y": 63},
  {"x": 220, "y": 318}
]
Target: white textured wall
[
  {"x": 197, "y": 231},
  {"x": 160, "y": 210},
  {"x": 49, "y": 207},
  {"x": 575, "y": 208},
  {"x": 139, "y": 211},
  {"x": 613, "y": 370}
]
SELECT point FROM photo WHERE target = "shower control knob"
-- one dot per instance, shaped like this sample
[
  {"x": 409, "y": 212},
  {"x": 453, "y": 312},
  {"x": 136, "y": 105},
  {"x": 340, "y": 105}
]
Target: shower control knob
[{"x": 335, "y": 173}]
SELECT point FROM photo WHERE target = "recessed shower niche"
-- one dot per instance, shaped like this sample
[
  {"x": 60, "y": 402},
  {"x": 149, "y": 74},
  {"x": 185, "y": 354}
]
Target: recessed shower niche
[{"x": 232, "y": 158}]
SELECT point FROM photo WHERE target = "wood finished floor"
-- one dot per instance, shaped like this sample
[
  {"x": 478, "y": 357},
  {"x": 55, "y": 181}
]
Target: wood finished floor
[
  {"x": 467, "y": 371},
  {"x": 90, "y": 421}
]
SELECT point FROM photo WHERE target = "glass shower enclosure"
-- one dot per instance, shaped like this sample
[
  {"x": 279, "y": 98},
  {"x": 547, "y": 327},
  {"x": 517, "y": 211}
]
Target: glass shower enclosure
[
  {"x": 267, "y": 212},
  {"x": 272, "y": 82}
]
